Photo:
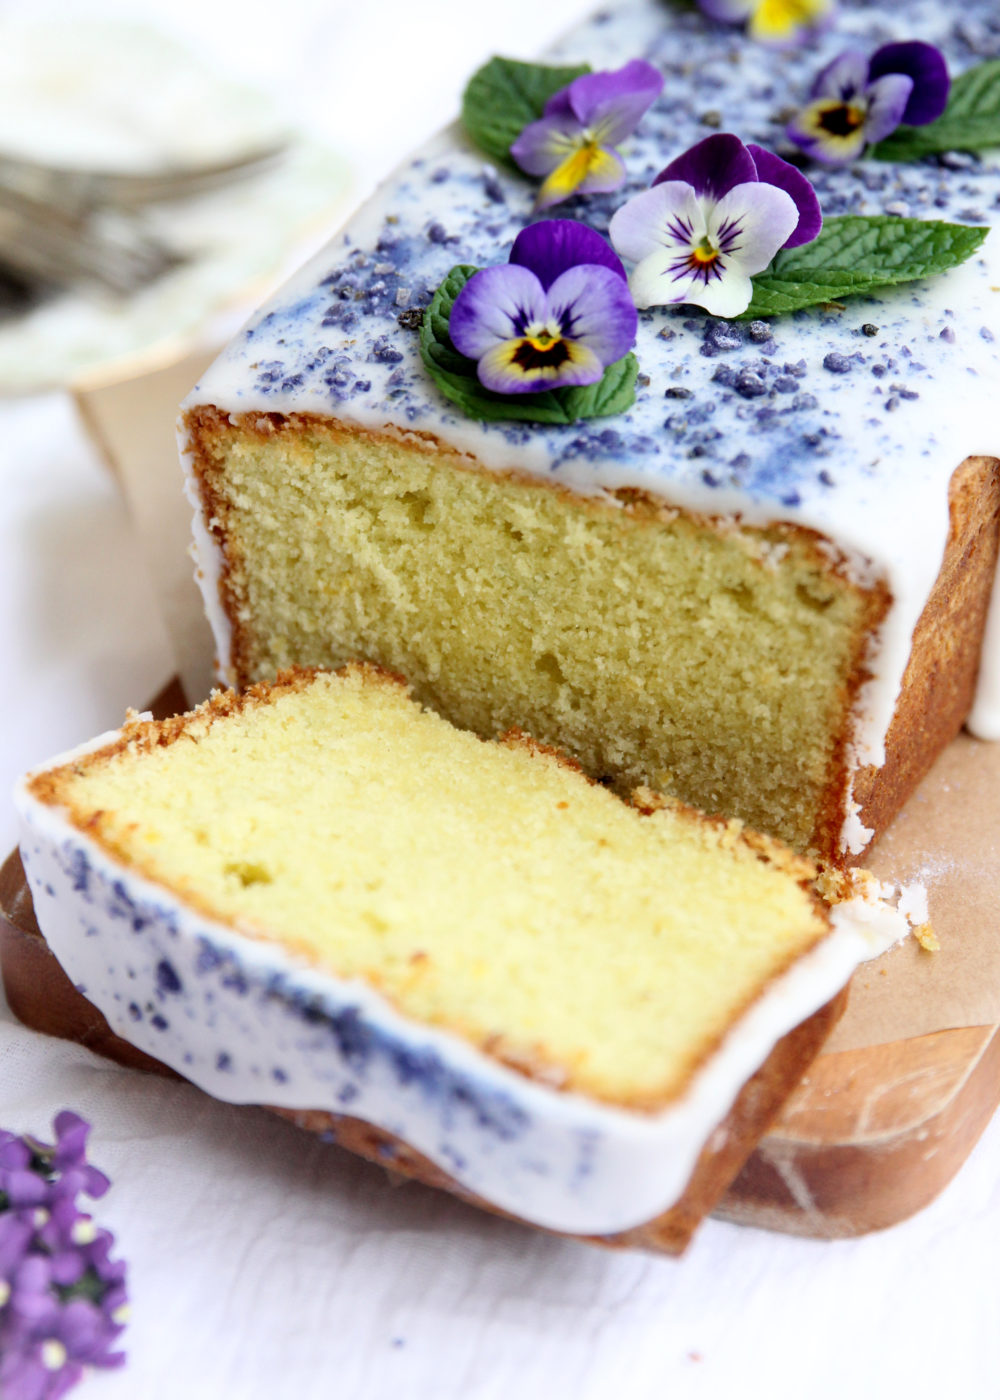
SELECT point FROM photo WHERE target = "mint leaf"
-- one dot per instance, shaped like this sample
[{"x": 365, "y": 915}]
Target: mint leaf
[
  {"x": 854, "y": 255},
  {"x": 970, "y": 122},
  {"x": 503, "y": 96},
  {"x": 455, "y": 375}
]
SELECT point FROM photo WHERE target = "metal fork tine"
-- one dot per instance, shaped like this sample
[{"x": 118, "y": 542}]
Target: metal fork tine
[
  {"x": 74, "y": 187},
  {"x": 45, "y": 242}
]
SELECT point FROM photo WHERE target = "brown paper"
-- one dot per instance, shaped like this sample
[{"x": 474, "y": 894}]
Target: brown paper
[{"x": 946, "y": 836}]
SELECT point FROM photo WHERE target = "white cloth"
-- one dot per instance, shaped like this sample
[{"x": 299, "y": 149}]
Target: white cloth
[{"x": 265, "y": 1264}]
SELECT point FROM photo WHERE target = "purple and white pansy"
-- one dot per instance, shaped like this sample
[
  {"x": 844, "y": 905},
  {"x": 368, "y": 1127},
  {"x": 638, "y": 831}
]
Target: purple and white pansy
[
  {"x": 772, "y": 21},
  {"x": 573, "y": 144},
  {"x": 856, "y": 101},
  {"x": 715, "y": 217},
  {"x": 557, "y": 314}
]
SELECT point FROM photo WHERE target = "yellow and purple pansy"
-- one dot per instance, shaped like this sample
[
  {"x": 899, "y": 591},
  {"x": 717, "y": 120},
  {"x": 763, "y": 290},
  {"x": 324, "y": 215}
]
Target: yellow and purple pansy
[
  {"x": 772, "y": 21},
  {"x": 713, "y": 218},
  {"x": 572, "y": 145},
  {"x": 856, "y": 100},
  {"x": 558, "y": 313}
]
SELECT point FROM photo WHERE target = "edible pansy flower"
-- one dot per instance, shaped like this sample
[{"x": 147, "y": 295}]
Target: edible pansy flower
[
  {"x": 713, "y": 218},
  {"x": 557, "y": 314},
  {"x": 573, "y": 143},
  {"x": 856, "y": 101},
  {"x": 772, "y": 21}
]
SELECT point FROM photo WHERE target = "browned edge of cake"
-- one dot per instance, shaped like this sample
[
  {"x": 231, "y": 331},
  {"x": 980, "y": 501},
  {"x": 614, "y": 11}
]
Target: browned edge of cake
[
  {"x": 939, "y": 684},
  {"x": 43, "y": 998},
  {"x": 205, "y": 425}
]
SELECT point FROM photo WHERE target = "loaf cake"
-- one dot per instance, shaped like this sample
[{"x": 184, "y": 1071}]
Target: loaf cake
[
  {"x": 461, "y": 957},
  {"x": 762, "y": 589}
]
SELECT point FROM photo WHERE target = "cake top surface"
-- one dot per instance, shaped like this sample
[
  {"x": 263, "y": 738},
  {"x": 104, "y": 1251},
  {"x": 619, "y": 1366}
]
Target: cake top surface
[
  {"x": 849, "y": 420},
  {"x": 773, "y": 416}
]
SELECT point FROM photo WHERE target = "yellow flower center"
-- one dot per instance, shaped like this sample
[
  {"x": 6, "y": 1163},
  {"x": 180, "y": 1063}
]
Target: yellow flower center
[{"x": 705, "y": 253}]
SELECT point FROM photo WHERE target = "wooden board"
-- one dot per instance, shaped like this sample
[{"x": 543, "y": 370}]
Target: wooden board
[{"x": 883, "y": 1120}]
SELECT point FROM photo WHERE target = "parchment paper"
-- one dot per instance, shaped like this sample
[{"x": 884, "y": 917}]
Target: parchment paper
[{"x": 946, "y": 837}]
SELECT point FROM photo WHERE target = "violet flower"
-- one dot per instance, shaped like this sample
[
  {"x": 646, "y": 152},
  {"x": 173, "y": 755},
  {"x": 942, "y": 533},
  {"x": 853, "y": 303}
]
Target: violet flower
[
  {"x": 62, "y": 1296},
  {"x": 573, "y": 143},
  {"x": 557, "y": 314},
  {"x": 857, "y": 101},
  {"x": 713, "y": 218},
  {"x": 773, "y": 21}
]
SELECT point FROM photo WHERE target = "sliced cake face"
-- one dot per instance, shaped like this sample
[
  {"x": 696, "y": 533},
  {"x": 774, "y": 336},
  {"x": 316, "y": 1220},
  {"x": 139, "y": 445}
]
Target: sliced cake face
[
  {"x": 716, "y": 663},
  {"x": 486, "y": 889},
  {"x": 809, "y": 457},
  {"x": 322, "y": 898}
]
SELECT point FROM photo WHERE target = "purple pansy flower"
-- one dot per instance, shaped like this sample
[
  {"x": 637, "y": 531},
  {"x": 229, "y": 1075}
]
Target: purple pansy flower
[
  {"x": 62, "y": 1296},
  {"x": 712, "y": 219},
  {"x": 857, "y": 101},
  {"x": 772, "y": 21},
  {"x": 557, "y": 314},
  {"x": 573, "y": 144}
]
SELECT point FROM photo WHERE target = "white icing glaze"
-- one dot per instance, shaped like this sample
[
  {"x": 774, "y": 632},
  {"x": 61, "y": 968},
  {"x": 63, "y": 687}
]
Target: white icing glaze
[
  {"x": 249, "y": 1023},
  {"x": 814, "y": 420}
]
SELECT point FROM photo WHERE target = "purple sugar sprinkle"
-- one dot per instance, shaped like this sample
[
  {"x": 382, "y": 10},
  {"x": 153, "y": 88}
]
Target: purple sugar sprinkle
[
  {"x": 385, "y": 352},
  {"x": 750, "y": 385},
  {"x": 437, "y": 233},
  {"x": 948, "y": 334},
  {"x": 836, "y": 363}
]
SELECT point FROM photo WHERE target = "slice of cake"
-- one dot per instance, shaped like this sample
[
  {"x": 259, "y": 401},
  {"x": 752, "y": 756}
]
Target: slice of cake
[
  {"x": 762, "y": 588},
  {"x": 461, "y": 957}
]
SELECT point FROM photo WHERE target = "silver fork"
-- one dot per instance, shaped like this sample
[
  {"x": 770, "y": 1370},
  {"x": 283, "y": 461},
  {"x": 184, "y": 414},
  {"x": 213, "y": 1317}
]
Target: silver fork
[
  {"x": 68, "y": 226},
  {"x": 43, "y": 242},
  {"x": 80, "y": 188}
]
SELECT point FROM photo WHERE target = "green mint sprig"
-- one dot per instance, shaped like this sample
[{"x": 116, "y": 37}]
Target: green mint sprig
[
  {"x": 503, "y": 96},
  {"x": 970, "y": 122},
  {"x": 855, "y": 254},
  {"x": 455, "y": 375}
]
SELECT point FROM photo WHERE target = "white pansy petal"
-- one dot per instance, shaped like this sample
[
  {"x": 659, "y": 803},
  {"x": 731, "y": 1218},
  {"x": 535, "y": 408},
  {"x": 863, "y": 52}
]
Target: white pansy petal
[
  {"x": 729, "y": 295},
  {"x": 657, "y": 219},
  {"x": 750, "y": 224},
  {"x": 657, "y": 281}
]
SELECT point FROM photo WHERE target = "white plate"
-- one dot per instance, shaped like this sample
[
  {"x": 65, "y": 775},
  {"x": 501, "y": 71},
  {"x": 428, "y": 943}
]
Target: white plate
[{"x": 121, "y": 96}]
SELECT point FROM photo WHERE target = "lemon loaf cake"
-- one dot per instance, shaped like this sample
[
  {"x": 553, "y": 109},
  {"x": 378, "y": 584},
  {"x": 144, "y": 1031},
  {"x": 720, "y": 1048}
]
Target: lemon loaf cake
[
  {"x": 763, "y": 588},
  {"x": 460, "y": 956}
]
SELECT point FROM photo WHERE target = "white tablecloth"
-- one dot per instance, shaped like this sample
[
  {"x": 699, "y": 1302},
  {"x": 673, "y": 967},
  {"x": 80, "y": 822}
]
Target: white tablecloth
[{"x": 264, "y": 1264}]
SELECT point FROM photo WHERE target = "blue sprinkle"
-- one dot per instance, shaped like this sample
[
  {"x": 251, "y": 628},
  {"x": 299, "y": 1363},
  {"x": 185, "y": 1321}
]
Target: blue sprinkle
[
  {"x": 986, "y": 333},
  {"x": 836, "y": 363},
  {"x": 223, "y": 1061},
  {"x": 785, "y": 384},
  {"x": 437, "y": 233},
  {"x": 386, "y": 353},
  {"x": 440, "y": 175},
  {"x": 362, "y": 386},
  {"x": 798, "y": 370},
  {"x": 159, "y": 1022},
  {"x": 948, "y": 334},
  {"x": 279, "y": 1076},
  {"x": 167, "y": 980},
  {"x": 750, "y": 385}
]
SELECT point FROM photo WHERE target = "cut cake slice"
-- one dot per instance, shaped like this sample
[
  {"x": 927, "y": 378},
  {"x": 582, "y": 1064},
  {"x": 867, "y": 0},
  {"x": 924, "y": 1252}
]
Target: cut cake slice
[{"x": 459, "y": 956}]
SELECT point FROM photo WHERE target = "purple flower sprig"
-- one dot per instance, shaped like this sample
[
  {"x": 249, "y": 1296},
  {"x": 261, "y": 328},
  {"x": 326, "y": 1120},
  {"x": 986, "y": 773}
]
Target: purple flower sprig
[
  {"x": 62, "y": 1296},
  {"x": 857, "y": 101},
  {"x": 556, "y": 315},
  {"x": 715, "y": 217},
  {"x": 574, "y": 143},
  {"x": 773, "y": 21}
]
